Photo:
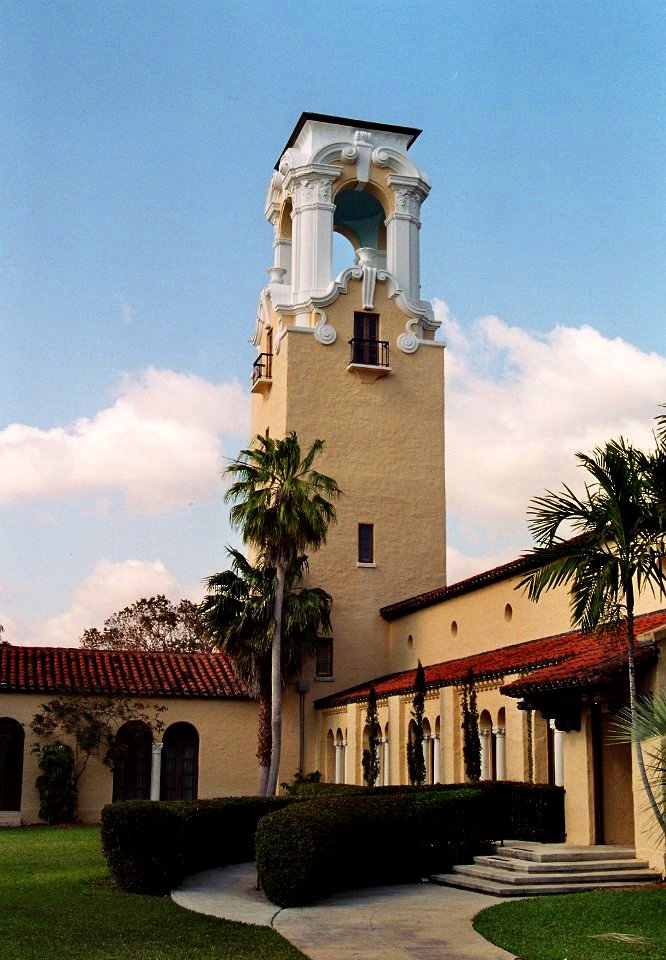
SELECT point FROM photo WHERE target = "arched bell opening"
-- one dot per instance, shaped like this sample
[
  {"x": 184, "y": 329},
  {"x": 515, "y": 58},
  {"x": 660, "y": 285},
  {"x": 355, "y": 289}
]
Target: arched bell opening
[{"x": 360, "y": 217}]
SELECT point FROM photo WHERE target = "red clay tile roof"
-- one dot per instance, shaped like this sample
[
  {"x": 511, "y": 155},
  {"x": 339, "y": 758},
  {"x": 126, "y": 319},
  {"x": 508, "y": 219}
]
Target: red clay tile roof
[
  {"x": 568, "y": 659},
  {"x": 395, "y": 610},
  {"x": 69, "y": 670}
]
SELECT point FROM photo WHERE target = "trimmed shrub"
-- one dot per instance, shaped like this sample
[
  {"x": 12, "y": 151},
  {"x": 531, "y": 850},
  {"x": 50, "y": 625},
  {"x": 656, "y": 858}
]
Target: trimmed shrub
[
  {"x": 514, "y": 810},
  {"x": 524, "y": 811},
  {"x": 311, "y": 849},
  {"x": 151, "y": 846}
]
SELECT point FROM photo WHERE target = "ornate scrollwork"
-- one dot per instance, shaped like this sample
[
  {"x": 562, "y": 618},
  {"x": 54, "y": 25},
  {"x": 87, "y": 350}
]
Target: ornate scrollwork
[{"x": 324, "y": 332}]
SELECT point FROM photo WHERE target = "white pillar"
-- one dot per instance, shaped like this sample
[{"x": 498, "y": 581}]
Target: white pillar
[
  {"x": 386, "y": 772},
  {"x": 156, "y": 770},
  {"x": 312, "y": 219},
  {"x": 437, "y": 771},
  {"x": 500, "y": 752},
  {"x": 485, "y": 753},
  {"x": 339, "y": 761},
  {"x": 402, "y": 234},
  {"x": 558, "y": 750}
]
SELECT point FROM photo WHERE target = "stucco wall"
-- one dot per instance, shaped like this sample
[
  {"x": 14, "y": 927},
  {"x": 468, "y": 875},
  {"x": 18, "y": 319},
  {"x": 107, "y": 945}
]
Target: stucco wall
[{"x": 227, "y": 747}]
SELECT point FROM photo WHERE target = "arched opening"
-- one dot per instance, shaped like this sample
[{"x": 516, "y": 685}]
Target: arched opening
[
  {"x": 385, "y": 778},
  {"x": 359, "y": 216},
  {"x": 500, "y": 745},
  {"x": 12, "y": 741},
  {"x": 344, "y": 253},
  {"x": 284, "y": 225},
  {"x": 428, "y": 751},
  {"x": 330, "y": 757},
  {"x": 180, "y": 763},
  {"x": 131, "y": 766},
  {"x": 487, "y": 746},
  {"x": 340, "y": 758}
]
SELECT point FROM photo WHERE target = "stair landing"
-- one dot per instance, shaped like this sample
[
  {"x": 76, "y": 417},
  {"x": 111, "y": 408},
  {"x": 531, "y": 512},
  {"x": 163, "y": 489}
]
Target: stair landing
[{"x": 526, "y": 869}]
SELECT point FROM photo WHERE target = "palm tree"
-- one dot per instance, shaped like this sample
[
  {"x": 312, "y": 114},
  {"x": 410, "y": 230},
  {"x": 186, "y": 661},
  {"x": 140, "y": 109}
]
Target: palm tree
[
  {"x": 238, "y": 614},
  {"x": 616, "y": 549},
  {"x": 282, "y": 508},
  {"x": 647, "y": 724}
]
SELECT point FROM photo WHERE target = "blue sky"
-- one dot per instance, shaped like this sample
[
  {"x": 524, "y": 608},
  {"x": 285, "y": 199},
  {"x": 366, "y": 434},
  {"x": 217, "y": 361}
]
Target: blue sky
[{"x": 138, "y": 140}]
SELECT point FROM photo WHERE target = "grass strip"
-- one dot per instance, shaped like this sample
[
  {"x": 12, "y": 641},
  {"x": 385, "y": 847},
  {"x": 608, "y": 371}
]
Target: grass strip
[
  {"x": 58, "y": 902},
  {"x": 600, "y": 925}
]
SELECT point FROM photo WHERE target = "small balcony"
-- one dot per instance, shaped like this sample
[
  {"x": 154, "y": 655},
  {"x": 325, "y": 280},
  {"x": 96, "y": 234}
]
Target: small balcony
[
  {"x": 369, "y": 359},
  {"x": 262, "y": 373}
]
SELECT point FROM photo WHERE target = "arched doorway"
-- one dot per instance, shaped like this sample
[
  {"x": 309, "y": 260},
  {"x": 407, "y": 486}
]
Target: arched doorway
[
  {"x": 131, "y": 767},
  {"x": 180, "y": 763},
  {"x": 12, "y": 740}
]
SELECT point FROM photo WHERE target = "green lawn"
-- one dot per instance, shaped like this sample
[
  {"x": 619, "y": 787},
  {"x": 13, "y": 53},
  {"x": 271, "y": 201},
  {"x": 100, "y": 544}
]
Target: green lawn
[
  {"x": 602, "y": 925},
  {"x": 57, "y": 902}
]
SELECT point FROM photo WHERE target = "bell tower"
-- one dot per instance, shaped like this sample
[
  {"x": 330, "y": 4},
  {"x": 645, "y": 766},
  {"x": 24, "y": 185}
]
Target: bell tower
[{"x": 352, "y": 359}]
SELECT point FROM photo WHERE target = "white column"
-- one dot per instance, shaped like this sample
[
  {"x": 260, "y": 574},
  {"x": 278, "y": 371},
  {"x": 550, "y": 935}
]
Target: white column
[
  {"x": 386, "y": 772},
  {"x": 345, "y": 772},
  {"x": 558, "y": 750},
  {"x": 156, "y": 770},
  {"x": 339, "y": 761},
  {"x": 312, "y": 219},
  {"x": 403, "y": 256},
  {"x": 485, "y": 753},
  {"x": 500, "y": 752},
  {"x": 437, "y": 773}
]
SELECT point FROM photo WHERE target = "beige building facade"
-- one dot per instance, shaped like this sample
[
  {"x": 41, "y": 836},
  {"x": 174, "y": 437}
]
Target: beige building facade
[{"x": 352, "y": 358}]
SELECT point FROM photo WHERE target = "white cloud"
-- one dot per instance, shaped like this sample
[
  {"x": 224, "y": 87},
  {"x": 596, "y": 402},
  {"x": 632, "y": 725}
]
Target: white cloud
[
  {"x": 109, "y": 588},
  {"x": 519, "y": 405},
  {"x": 158, "y": 447}
]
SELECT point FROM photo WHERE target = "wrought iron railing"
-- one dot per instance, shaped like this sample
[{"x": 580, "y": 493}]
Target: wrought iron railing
[
  {"x": 262, "y": 367},
  {"x": 369, "y": 353}
]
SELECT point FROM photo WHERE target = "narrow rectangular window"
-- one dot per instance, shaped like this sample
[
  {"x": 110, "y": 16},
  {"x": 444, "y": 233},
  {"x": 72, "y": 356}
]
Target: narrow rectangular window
[
  {"x": 324, "y": 658},
  {"x": 366, "y": 338},
  {"x": 366, "y": 543}
]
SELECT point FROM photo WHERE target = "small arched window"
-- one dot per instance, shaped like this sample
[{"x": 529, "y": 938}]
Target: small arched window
[
  {"x": 12, "y": 740},
  {"x": 180, "y": 763},
  {"x": 131, "y": 766}
]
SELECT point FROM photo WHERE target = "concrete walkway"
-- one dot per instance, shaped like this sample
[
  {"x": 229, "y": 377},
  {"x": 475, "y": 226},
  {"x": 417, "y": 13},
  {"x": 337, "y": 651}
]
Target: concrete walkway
[{"x": 403, "y": 922}]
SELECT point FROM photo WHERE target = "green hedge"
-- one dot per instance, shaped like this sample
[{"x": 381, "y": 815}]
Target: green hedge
[
  {"x": 151, "y": 846},
  {"x": 311, "y": 849},
  {"x": 514, "y": 810},
  {"x": 524, "y": 811}
]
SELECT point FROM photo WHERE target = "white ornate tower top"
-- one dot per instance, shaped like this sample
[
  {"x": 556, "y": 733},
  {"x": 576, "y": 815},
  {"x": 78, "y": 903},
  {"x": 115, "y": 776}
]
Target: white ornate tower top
[{"x": 353, "y": 177}]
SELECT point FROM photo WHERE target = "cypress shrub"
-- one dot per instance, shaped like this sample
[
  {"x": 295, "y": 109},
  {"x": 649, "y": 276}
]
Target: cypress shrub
[{"x": 309, "y": 850}]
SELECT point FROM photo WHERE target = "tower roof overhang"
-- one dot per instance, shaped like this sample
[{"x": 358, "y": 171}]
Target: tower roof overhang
[{"x": 410, "y": 132}]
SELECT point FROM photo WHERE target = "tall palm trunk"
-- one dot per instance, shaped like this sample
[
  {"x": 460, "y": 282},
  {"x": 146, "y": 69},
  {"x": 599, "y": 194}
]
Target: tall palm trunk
[
  {"x": 264, "y": 742},
  {"x": 638, "y": 747},
  {"x": 276, "y": 678}
]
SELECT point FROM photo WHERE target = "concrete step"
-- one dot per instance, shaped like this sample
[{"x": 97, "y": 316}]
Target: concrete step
[
  {"x": 499, "y": 889},
  {"x": 553, "y": 852},
  {"x": 502, "y": 862},
  {"x": 561, "y": 875},
  {"x": 525, "y": 869}
]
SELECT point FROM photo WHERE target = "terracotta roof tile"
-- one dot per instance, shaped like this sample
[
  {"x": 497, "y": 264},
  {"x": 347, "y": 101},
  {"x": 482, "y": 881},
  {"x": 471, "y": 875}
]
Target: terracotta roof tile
[
  {"x": 137, "y": 673},
  {"x": 402, "y": 607},
  {"x": 567, "y": 659}
]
